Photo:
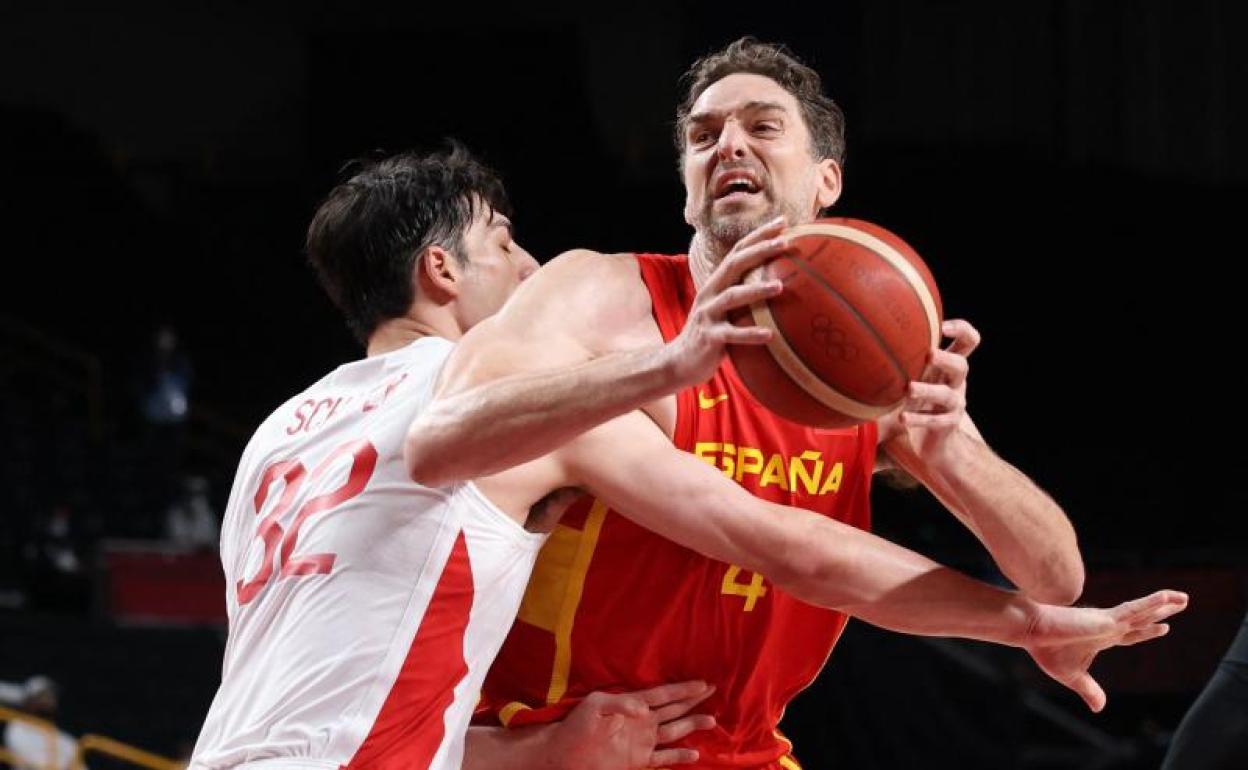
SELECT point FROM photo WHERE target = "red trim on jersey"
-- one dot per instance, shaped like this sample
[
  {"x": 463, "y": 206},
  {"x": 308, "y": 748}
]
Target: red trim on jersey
[
  {"x": 671, "y": 290},
  {"x": 411, "y": 725},
  {"x": 671, "y": 294}
]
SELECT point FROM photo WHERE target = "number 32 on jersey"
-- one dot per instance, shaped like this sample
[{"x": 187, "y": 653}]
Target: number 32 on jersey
[{"x": 292, "y": 473}]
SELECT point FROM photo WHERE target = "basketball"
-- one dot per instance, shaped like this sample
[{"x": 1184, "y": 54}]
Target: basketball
[{"x": 854, "y": 325}]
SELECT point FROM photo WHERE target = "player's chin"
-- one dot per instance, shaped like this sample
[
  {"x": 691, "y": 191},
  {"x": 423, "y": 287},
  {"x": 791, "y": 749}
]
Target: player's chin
[{"x": 730, "y": 226}]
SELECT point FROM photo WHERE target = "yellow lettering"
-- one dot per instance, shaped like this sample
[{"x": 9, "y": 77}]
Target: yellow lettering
[
  {"x": 705, "y": 450},
  {"x": 774, "y": 473},
  {"x": 833, "y": 482},
  {"x": 729, "y": 459},
  {"x": 798, "y": 471},
  {"x": 752, "y": 591},
  {"x": 749, "y": 460},
  {"x": 804, "y": 472}
]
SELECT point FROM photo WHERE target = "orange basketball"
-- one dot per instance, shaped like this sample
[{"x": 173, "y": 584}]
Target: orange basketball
[{"x": 854, "y": 325}]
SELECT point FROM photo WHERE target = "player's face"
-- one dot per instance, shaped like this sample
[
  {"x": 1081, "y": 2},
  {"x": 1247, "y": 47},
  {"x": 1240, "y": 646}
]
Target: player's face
[
  {"x": 496, "y": 266},
  {"x": 748, "y": 158}
]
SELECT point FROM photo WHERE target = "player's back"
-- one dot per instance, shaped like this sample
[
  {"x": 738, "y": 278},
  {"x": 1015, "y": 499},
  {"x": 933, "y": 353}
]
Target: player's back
[{"x": 363, "y": 608}]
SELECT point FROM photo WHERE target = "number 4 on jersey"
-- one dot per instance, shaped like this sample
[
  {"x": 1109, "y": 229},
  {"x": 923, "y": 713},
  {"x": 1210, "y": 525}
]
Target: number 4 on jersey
[
  {"x": 363, "y": 460},
  {"x": 752, "y": 591}
]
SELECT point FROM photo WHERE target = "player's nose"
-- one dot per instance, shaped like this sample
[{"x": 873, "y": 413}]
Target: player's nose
[
  {"x": 731, "y": 144},
  {"x": 528, "y": 265}
]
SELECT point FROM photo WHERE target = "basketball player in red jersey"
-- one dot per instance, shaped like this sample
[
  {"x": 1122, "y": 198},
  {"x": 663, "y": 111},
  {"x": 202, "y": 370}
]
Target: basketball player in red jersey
[{"x": 612, "y": 605}]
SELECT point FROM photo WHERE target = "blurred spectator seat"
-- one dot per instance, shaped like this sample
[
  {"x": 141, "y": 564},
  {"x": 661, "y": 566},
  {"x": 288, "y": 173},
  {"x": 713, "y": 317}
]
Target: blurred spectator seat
[{"x": 148, "y": 582}]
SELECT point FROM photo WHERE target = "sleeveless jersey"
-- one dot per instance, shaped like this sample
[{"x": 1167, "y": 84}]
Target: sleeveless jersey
[
  {"x": 614, "y": 606},
  {"x": 364, "y": 609}
]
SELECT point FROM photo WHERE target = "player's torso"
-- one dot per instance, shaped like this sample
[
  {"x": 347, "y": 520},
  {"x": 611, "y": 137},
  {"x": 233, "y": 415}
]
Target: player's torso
[
  {"x": 612, "y": 605},
  {"x": 340, "y": 571}
]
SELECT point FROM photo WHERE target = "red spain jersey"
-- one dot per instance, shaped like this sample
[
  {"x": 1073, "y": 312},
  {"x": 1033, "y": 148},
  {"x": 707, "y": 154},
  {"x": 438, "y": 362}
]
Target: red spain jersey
[{"x": 613, "y": 606}]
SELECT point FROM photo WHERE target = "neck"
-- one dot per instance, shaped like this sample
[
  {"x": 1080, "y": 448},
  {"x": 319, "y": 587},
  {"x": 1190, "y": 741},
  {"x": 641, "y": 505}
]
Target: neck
[
  {"x": 398, "y": 333},
  {"x": 704, "y": 257}
]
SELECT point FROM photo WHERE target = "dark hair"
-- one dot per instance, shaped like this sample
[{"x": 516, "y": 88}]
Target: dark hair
[
  {"x": 366, "y": 236},
  {"x": 824, "y": 119}
]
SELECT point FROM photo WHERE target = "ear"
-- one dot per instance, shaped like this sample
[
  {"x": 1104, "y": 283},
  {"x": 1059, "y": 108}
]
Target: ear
[
  {"x": 828, "y": 190},
  {"x": 439, "y": 275}
]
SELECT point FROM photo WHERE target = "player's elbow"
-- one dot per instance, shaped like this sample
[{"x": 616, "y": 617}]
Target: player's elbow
[
  {"x": 1067, "y": 595},
  {"x": 1061, "y": 582},
  {"x": 1063, "y": 594},
  {"x": 426, "y": 459},
  {"x": 1055, "y": 577},
  {"x": 800, "y": 576},
  {"x": 1067, "y": 571},
  {"x": 811, "y": 566},
  {"x": 422, "y": 465},
  {"x": 770, "y": 547}
]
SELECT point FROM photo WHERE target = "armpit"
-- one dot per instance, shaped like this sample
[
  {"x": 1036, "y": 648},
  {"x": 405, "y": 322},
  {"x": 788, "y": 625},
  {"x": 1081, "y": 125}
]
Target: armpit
[{"x": 545, "y": 513}]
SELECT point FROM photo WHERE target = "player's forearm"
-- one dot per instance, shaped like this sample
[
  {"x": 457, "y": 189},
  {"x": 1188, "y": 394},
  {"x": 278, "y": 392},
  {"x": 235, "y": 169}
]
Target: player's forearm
[
  {"x": 844, "y": 568},
  {"x": 496, "y": 425},
  {"x": 1027, "y": 533},
  {"x": 502, "y": 748},
  {"x": 817, "y": 559}
]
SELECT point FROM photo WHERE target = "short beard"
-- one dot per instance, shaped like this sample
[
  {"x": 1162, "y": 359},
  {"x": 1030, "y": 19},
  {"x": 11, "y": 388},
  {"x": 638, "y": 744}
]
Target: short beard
[
  {"x": 726, "y": 231},
  {"x": 722, "y": 233}
]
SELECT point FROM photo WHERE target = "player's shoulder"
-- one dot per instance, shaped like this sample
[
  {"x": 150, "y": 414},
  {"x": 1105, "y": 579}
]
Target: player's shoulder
[
  {"x": 621, "y": 269},
  {"x": 365, "y": 382},
  {"x": 577, "y": 265},
  {"x": 273, "y": 429},
  {"x": 597, "y": 289}
]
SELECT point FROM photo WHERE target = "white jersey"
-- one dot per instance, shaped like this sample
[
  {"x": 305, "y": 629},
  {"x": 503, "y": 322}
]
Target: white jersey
[{"x": 364, "y": 609}]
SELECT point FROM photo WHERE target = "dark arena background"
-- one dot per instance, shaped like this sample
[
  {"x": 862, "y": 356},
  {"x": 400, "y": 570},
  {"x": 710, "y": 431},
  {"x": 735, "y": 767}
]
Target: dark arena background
[{"x": 1074, "y": 173}]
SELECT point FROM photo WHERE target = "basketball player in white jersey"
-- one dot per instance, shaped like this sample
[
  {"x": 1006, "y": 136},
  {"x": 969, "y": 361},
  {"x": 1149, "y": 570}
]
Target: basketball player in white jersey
[{"x": 365, "y": 609}]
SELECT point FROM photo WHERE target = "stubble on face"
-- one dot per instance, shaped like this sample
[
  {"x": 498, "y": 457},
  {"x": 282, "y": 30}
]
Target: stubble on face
[
  {"x": 769, "y": 139},
  {"x": 722, "y": 231}
]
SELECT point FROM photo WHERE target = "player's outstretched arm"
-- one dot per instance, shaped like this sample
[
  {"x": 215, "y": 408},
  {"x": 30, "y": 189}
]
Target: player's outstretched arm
[
  {"x": 552, "y": 363},
  {"x": 933, "y": 439},
  {"x": 606, "y": 731},
  {"x": 630, "y": 464}
]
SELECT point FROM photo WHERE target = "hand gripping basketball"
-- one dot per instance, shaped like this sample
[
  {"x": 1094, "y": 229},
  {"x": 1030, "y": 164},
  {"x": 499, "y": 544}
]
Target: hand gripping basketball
[
  {"x": 935, "y": 404},
  {"x": 699, "y": 348}
]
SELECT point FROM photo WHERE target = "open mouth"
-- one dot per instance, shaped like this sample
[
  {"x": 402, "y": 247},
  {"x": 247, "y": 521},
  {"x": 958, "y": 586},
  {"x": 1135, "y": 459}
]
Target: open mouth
[{"x": 735, "y": 184}]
